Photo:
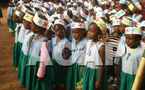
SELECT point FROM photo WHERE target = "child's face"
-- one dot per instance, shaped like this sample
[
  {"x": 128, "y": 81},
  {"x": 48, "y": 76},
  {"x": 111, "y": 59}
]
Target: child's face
[
  {"x": 133, "y": 41},
  {"x": 59, "y": 31},
  {"x": 76, "y": 34},
  {"x": 27, "y": 24},
  {"x": 92, "y": 33},
  {"x": 48, "y": 34},
  {"x": 37, "y": 30}
]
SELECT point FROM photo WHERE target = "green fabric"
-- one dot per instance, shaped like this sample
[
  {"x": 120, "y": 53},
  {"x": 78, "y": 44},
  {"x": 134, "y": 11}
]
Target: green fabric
[
  {"x": 62, "y": 71},
  {"x": 1, "y": 14},
  {"x": 16, "y": 53},
  {"x": 108, "y": 74},
  {"x": 22, "y": 68},
  {"x": 90, "y": 77},
  {"x": 74, "y": 78},
  {"x": 47, "y": 83},
  {"x": 30, "y": 74},
  {"x": 11, "y": 25},
  {"x": 126, "y": 81}
]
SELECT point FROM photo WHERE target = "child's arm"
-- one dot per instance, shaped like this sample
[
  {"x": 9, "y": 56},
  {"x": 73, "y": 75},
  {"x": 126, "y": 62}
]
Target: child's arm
[{"x": 101, "y": 68}]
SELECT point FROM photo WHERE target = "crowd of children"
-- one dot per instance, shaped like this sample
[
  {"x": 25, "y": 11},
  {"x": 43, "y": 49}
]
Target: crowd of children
[{"x": 77, "y": 44}]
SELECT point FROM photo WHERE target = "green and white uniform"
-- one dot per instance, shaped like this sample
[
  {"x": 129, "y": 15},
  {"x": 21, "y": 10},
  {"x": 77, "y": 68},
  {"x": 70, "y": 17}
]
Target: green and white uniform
[
  {"x": 61, "y": 66},
  {"x": 130, "y": 62},
  {"x": 47, "y": 83},
  {"x": 76, "y": 71},
  {"x": 24, "y": 57},
  {"x": 15, "y": 47},
  {"x": 33, "y": 60},
  {"x": 92, "y": 63},
  {"x": 18, "y": 47}
]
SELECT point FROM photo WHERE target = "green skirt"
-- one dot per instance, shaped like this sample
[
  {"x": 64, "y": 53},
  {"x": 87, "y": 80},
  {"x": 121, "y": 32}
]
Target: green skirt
[
  {"x": 90, "y": 77},
  {"x": 74, "y": 78},
  {"x": 22, "y": 68},
  {"x": 16, "y": 53},
  {"x": 126, "y": 81},
  {"x": 47, "y": 83},
  {"x": 1, "y": 14},
  {"x": 61, "y": 73},
  {"x": 30, "y": 76}
]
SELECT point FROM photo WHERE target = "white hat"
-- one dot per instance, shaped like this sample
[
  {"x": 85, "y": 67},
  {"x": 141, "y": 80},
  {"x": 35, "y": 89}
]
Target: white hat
[
  {"x": 133, "y": 30},
  {"x": 26, "y": 8},
  {"x": 39, "y": 21},
  {"x": 120, "y": 13},
  {"x": 101, "y": 24},
  {"x": 142, "y": 24},
  {"x": 126, "y": 21},
  {"x": 116, "y": 22},
  {"x": 59, "y": 21},
  {"x": 19, "y": 13},
  {"x": 28, "y": 17},
  {"x": 75, "y": 25}
]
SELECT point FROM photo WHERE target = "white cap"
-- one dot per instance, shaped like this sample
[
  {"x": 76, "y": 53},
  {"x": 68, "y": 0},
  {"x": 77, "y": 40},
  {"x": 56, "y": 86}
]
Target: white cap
[
  {"x": 116, "y": 22},
  {"x": 75, "y": 25},
  {"x": 19, "y": 13},
  {"x": 126, "y": 21},
  {"x": 133, "y": 30},
  {"x": 59, "y": 21},
  {"x": 39, "y": 21},
  {"x": 120, "y": 13},
  {"x": 142, "y": 24}
]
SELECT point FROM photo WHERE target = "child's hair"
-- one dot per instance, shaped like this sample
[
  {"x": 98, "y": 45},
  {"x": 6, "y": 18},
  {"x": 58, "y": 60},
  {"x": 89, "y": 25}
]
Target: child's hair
[{"x": 97, "y": 28}]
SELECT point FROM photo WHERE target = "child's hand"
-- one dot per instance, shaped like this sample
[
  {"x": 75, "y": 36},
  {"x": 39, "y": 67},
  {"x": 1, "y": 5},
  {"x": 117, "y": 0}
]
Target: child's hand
[{"x": 98, "y": 85}]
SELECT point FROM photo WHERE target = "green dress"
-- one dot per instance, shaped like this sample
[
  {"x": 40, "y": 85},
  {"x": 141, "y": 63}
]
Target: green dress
[
  {"x": 33, "y": 60},
  {"x": 75, "y": 77},
  {"x": 90, "y": 77},
  {"x": 126, "y": 81},
  {"x": 76, "y": 71},
  {"x": 48, "y": 82},
  {"x": 22, "y": 68},
  {"x": 24, "y": 58},
  {"x": 16, "y": 53}
]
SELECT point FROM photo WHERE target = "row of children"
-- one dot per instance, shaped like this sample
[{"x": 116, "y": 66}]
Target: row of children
[{"x": 76, "y": 45}]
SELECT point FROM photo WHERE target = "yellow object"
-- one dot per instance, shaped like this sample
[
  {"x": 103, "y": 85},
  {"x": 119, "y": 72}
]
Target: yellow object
[
  {"x": 28, "y": 17},
  {"x": 139, "y": 76},
  {"x": 131, "y": 7}
]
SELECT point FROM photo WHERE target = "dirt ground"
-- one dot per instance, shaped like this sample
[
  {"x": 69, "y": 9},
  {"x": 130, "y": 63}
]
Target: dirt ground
[{"x": 8, "y": 74}]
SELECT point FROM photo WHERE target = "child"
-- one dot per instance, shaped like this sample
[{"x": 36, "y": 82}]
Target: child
[
  {"x": 130, "y": 56},
  {"x": 27, "y": 22},
  {"x": 60, "y": 61},
  {"x": 17, "y": 17},
  {"x": 94, "y": 60},
  {"x": 38, "y": 28},
  {"x": 45, "y": 74},
  {"x": 78, "y": 49}
]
